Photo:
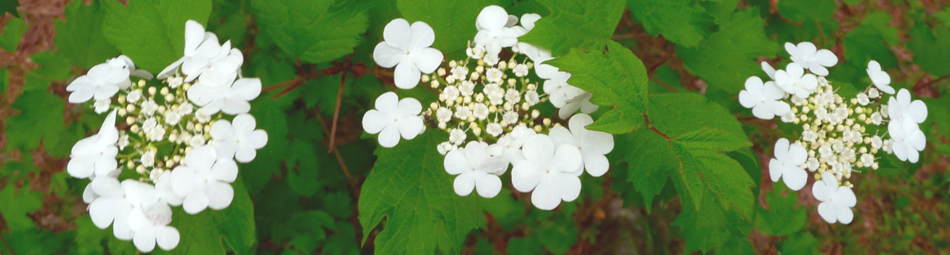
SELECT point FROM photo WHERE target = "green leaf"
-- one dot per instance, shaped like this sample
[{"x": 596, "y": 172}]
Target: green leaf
[
  {"x": 678, "y": 113},
  {"x": 41, "y": 118},
  {"x": 267, "y": 163},
  {"x": 870, "y": 42},
  {"x": 931, "y": 49},
  {"x": 410, "y": 188},
  {"x": 575, "y": 24},
  {"x": 807, "y": 10},
  {"x": 727, "y": 58},
  {"x": 216, "y": 232},
  {"x": 316, "y": 31},
  {"x": 152, "y": 32},
  {"x": 705, "y": 167},
  {"x": 16, "y": 204},
  {"x": 452, "y": 21},
  {"x": 672, "y": 18},
  {"x": 89, "y": 237},
  {"x": 12, "y": 34},
  {"x": 804, "y": 243},
  {"x": 52, "y": 65},
  {"x": 704, "y": 228},
  {"x": 651, "y": 161},
  {"x": 79, "y": 38},
  {"x": 303, "y": 168},
  {"x": 782, "y": 218},
  {"x": 616, "y": 78}
]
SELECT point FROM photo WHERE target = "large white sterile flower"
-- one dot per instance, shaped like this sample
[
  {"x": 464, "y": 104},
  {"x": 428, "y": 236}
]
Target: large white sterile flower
[
  {"x": 907, "y": 140},
  {"x": 768, "y": 69},
  {"x": 581, "y": 102},
  {"x": 115, "y": 201},
  {"x": 593, "y": 145},
  {"x": 231, "y": 99},
  {"x": 809, "y": 57},
  {"x": 124, "y": 61},
  {"x": 95, "y": 154},
  {"x": 163, "y": 186},
  {"x": 880, "y": 78},
  {"x": 901, "y": 107},
  {"x": 493, "y": 33},
  {"x": 407, "y": 48},
  {"x": 511, "y": 143},
  {"x": 392, "y": 118},
  {"x": 548, "y": 170},
  {"x": 836, "y": 202},
  {"x": 204, "y": 180},
  {"x": 201, "y": 50},
  {"x": 150, "y": 225},
  {"x": 787, "y": 164},
  {"x": 238, "y": 139},
  {"x": 476, "y": 169},
  {"x": 795, "y": 81},
  {"x": 534, "y": 53},
  {"x": 222, "y": 71},
  {"x": 764, "y": 99},
  {"x": 559, "y": 90},
  {"x": 101, "y": 82}
]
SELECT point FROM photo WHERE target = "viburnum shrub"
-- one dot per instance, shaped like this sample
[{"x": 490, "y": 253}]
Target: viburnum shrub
[
  {"x": 165, "y": 142},
  {"x": 839, "y": 136},
  {"x": 486, "y": 103}
]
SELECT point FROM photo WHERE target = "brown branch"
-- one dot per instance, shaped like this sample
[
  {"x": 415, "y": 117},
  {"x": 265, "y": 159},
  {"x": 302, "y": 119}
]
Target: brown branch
[
  {"x": 346, "y": 171},
  {"x": 7, "y": 244},
  {"x": 282, "y": 84},
  {"x": 931, "y": 82},
  {"x": 336, "y": 113}
]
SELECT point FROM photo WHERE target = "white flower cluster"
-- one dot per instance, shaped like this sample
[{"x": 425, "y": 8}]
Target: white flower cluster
[
  {"x": 486, "y": 105},
  {"x": 835, "y": 139},
  {"x": 171, "y": 145}
]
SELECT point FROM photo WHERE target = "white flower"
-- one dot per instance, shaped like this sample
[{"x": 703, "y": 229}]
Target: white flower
[
  {"x": 201, "y": 50},
  {"x": 876, "y": 142},
  {"x": 102, "y": 105},
  {"x": 901, "y": 107},
  {"x": 559, "y": 90},
  {"x": 112, "y": 205},
  {"x": 202, "y": 117},
  {"x": 175, "y": 82},
  {"x": 581, "y": 102},
  {"x": 476, "y": 169},
  {"x": 511, "y": 117},
  {"x": 593, "y": 145},
  {"x": 150, "y": 225},
  {"x": 467, "y": 88},
  {"x": 795, "y": 81},
  {"x": 873, "y": 93},
  {"x": 163, "y": 186},
  {"x": 836, "y": 202},
  {"x": 532, "y": 97},
  {"x": 511, "y": 143},
  {"x": 407, "y": 48},
  {"x": 493, "y": 33},
  {"x": 494, "y": 129},
  {"x": 552, "y": 172},
  {"x": 494, "y": 75},
  {"x": 534, "y": 53},
  {"x": 157, "y": 134},
  {"x": 457, "y": 136},
  {"x": 443, "y": 114},
  {"x": 95, "y": 154},
  {"x": 512, "y": 96},
  {"x": 123, "y": 141},
  {"x": 204, "y": 180},
  {"x": 196, "y": 141},
  {"x": 907, "y": 140},
  {"x": 124, "y": 62},
  {"x": 863, "y": 99},
  {"x": 768, "y": 69},
  {"x": 185, "y": 109},
  {"x": 172, "y": 117},
  {"x": 521, "y": 70},
  {"x": 231, "y": 99},
  {"x": 148, "y": 158},
  {"x": 238, "y": 139},
  {"x": 451, "y": 93},
  {"x": 787, "y": 163},
  {"x": 764, "y": 99},
  {"x": 462, "y": 112},
  {"x": 808, "y": 56},
  {"x": 223, "y": 69},
  {"x": 149, "y": 107},
  {"x": 880, "y": 78},
  {"x": 149, "y": 125},
  {"x": 480, "y": 111},
  {"x": 867, "y": 160},
  {"x": 812, "y": 164},
  {"x": 392, "y": 118},
  {"x": 134, "y": 96},
  {"x": 101, "y": 82}
]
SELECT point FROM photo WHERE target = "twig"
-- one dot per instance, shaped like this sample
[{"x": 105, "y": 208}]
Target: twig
[
  {"x": 936, "y": 80},
  {"x": 339, "y": 158},
  {"x": 336, "y": 112},
  {"x": 7, "y": 244},
  {"x": 282, "y": 84}
]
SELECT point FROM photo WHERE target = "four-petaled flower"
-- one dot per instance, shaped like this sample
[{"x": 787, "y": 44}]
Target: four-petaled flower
[
  {"x": 95, "y": 154},
  {"x": 787, "y": 164},
  {"x": 476, "y": 169},
  {"x": 764, "y": 99},
  {"x": 593, "y": 145},
  {"x": 809, "y": 57},
  {"x": 836, "y": 202},
  {"x": 150, "y": 225},
  {"x": 204, "y": 180},
  {"x": 880, "y": 78},
  {"x": 901, "y": 107},
  {"x": 552, "y": 172},
  {"x": 496, "y": 31},
  {"x": 102, "y": 81},
  {"x": 407, "y": 48},
  {"x": 231, "y": 99},
  {"x": 906, "y": 139},
  {"x": 795, "y": 81},
  {"x": 238, "y": 139},
  {"x": 201, "y": 51},
  {"x": 392, "y": 118}
]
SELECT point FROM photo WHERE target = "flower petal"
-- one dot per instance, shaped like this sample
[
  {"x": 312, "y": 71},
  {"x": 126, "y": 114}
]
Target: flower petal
[
  {"x": 406, "y": 76},
  {"x": 795, "y": 178},
  {"x": 387, "y": 56},
  {"x": 845, "y": 215},
  {"x": 426, "y": 59},
  {"x": 828, "y": 212},
  {"x": 464, "y": 183},
  {"x": 144, "y": 241},
  {"x": 525, "y": 175},
  {"x": 568, "y": 186},
  {"x": 374, "y": 121},
  {"x": 168, "y": 238},
  {"x": 389, "y": 137},
  {"x": 456, "y": 163},
  {"x": 487, "y": 185},
  {"x": 219, "y": 195},
  {"x": 397, "y": 33},
  {"x": 595, "y": 164},
  {"x": 491, "y": 17},
  {"x": 421, "y": 36},
  {"x": 546, "y": 196},
  {"x": 195, "y": 202},
  {"x": 538, "y": 148}
]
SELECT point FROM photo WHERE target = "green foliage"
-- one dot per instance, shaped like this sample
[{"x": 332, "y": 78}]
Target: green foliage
[
  {"x": 807, "y": 10},
  {"x": 726, "y": 58},
  {"x": 408, "y": 186},
  {"x": 216, "y": 232},
  {"x": 781, "y": 218},
  {"x": 152, "y": 32},
  {"x": 676, "y": 20},
  {"x": 870, "y": 42},
  {"x": 617, "y": 78},
  {"x": 575, "y": 24},
  {"x": 16, "y": 204},
  {"x": 80, "y": 37},
  {"x": 449, "y": 19},
  {"x": 12, "y": 34},
  {"x": 41, "y": 119},
  {"x": 315, "y": 31},
  {"x": 932, "y": 48}
]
